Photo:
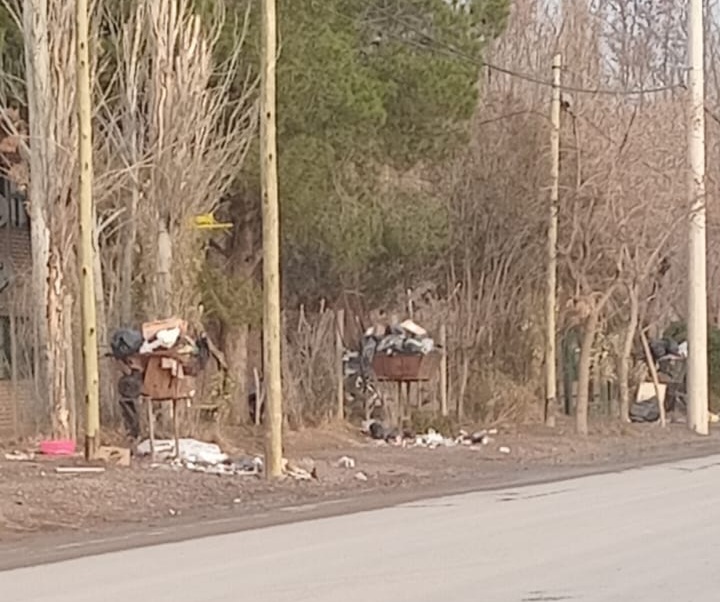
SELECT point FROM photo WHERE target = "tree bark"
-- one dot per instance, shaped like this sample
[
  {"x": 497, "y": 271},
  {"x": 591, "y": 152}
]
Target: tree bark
[
  {"x": 584, "y": 365},
  {"x": 235, "y": 347},
  {"x": 624, "y": 367},
  {"x": 585, "y": 362},
  {"x": 107, "y": 388},
  {"x": 37, "y": 66},
  {"x": 163, "y": 283},
  {"x": 56, "y": 314},
  {"x": 127, "y": 261}
]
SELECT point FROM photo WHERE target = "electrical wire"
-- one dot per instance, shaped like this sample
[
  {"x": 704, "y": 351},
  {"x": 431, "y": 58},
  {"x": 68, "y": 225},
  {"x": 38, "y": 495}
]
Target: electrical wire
[{"x": 451, "y": 50}]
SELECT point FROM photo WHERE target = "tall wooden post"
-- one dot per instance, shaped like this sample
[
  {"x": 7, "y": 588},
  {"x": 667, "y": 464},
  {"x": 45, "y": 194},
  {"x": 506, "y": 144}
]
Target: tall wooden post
[
  {"x": 87, "y": 247},
  {"x": 697, "y": 372},
  {"x": 552, "y": 236},
  {"x": 340, "y": 352},
  {"x": 271, "y": 245},
  {"x": 444, "y": 371}
]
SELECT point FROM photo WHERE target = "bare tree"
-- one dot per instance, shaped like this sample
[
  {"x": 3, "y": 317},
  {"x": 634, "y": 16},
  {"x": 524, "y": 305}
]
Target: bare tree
[
  {"x": 181, "y": 136},
  {"x": 48, "y": 30}
]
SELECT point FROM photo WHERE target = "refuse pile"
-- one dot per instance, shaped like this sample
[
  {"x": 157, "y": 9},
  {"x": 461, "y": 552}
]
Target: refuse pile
[
  {"x": 431, "y": 439},
  {"x": 159, "y": 361},
  {"x": 406, "y": 338},
  {"x": 667, "y": 348},
  {"x": 169, "y": 339},
  {"x": 208, "y": 458},
  {"x": 200, "y": 456},
  {"x": 669, "y": 358}
]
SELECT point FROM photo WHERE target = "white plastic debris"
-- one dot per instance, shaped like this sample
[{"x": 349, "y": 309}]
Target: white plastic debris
[
  {"x": 191, "y": 451},
  {"x": 504, "y": 450},
  {"x": 296, "y": 472},
  {"x": 432, "y": 439},
  {"x": 345, "y": 462},
  {"x": 20, "y": 456},
  {"x": 414, "y": 329},
  {"x": 168, "y": 338},
  {"x": 361, "y": 476}
]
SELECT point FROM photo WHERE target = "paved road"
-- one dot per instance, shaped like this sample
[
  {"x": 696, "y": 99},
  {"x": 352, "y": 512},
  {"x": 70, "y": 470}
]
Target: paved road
[{"x": 644, "y": 535}]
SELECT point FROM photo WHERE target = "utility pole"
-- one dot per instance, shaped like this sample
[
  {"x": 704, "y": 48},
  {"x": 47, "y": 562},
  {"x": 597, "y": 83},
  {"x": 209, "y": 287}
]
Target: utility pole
[
  {"x": 87, "y": 250},
  {"x": 697, "y": 375},
  {"x": 271, "y": 245},
  {"x": 552, "y": 236}
]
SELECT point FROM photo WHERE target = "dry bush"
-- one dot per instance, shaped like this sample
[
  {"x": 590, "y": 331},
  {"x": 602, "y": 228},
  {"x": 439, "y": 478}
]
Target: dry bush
[{"x": 309, "y": 367}]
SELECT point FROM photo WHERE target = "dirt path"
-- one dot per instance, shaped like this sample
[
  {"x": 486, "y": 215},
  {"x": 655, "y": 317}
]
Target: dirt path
[{"x": 36, "y": 501}]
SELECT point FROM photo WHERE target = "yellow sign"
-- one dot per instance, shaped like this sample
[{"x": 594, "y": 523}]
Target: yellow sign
[{"x": 207, "y": 221}]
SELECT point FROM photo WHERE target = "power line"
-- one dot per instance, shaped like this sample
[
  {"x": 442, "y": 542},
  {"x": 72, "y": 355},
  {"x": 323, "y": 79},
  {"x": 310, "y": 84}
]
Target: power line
[{"x": 456, "y": 53}]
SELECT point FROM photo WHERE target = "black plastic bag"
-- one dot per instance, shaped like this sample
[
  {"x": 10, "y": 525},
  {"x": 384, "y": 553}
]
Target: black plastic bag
[
  {"x": 125, "y": 342},
  {"x": 645, "y": 411}
]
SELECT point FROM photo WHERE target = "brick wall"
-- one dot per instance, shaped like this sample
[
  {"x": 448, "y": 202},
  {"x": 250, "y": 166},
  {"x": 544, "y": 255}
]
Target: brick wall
[
  {"x": 15, "y": 250},
  {"x": 13, "y": 399}
]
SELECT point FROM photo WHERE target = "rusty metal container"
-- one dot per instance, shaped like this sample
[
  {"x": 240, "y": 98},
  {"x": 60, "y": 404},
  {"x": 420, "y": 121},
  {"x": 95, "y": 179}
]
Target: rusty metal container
[{"x": 406, "y": 368}]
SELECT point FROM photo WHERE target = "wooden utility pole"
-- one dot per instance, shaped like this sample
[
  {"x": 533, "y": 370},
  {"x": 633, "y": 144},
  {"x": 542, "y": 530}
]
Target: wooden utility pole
[
  {"x": 552, "y": 236},
  {"x": 697, "y": 374},
  {"x": 340, "y": 352},
  {"x": 271, "y": 245},
  {"x": 87, "y": 247},
  {"x": 443, "y": 371}
]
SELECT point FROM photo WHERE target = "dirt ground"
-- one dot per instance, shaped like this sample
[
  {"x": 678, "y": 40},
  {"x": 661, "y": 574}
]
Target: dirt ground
[{"x": 35, "y": 499}]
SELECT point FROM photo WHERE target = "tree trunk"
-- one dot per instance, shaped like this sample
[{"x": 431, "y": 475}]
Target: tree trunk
[
  {"x": 462, "y": 390},
  {"x": 70, "y": 382},
  {"x": 163, "y": 284},
  {"x": 235, "y": 347},
  {"x": 56, "y": 327},
  {"x": 243, "y": 261},
  {"x": 37, "y": 67},
  {"x": 107, "y": 388},
  {"x": 624, "y": 367},
  {"x": 584, "y": 366},
  {"x": 127, "y": 258}
]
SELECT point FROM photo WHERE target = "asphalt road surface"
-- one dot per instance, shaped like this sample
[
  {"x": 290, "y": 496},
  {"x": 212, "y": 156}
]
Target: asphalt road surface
[{"x": 650, "y": 535}]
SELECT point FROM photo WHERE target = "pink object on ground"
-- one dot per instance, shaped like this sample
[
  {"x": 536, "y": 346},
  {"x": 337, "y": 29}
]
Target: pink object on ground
[{"x": 62, "y": 447}]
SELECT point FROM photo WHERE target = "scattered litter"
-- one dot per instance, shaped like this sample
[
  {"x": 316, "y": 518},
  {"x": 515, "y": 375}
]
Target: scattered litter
[
  {"x": 476, "y": 438},
  {"x": 200, "y": 456},
  {"x": 361, "y": 476},
  {"x": 79, "y": 469},
  {"x": 120, "y": 456},
  {"x": 713, "y": 418},
  {"x": 345, "y": 462},
  {"x": 190, "y": 450},
  {"x": 432, "y": 439},
  {"x": 19, "y": 456},
  {"x": 504, "y": 450},
  {"x": 414, "y": 329},
  {"x": 60, "y": 447},
  {"x": 429, "y": 440},
  {"x": 298, "y": 473}
]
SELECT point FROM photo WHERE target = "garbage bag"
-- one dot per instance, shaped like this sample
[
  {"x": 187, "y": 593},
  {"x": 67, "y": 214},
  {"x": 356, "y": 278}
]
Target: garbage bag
[
  {"x": 658, "y": 349},
  {"x": 645, "y": 411},
  {"x": 126, "y": 342},
  {"x": 661, "y": 348},
  {"x": 377, "y": 431},
  {"x": 130, "y": 385}
]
